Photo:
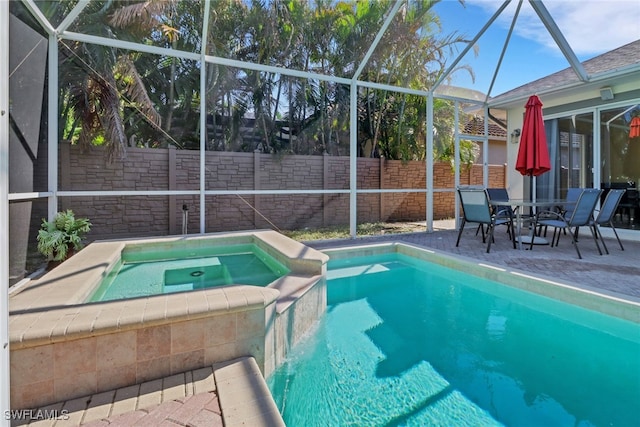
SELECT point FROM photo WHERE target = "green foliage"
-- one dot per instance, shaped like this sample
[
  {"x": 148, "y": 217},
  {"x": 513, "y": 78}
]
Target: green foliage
[
  {"x": 118, "y": 97},
  {"x": 469, "y": 150},
  {"x": 57, "y": 237}
]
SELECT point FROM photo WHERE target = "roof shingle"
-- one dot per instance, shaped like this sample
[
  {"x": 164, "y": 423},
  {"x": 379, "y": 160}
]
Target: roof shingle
[{"x": 621, "y": 58}]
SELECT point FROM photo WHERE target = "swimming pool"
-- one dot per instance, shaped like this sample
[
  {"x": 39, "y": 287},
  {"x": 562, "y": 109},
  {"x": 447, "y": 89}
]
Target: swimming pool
[
  {"x": 407, "y": 342},
  {"x": 155, "y": 271}
]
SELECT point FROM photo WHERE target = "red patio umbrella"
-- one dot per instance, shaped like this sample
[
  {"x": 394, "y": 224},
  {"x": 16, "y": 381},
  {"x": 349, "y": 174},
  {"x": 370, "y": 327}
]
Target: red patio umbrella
[{"x": 533, "y": 154}]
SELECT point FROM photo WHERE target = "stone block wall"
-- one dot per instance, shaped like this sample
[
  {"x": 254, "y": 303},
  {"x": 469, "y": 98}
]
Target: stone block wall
[
  {"x": 172, "y": 169},
  {"x": 142, "y": 169},
  {"x": 225, "y": 171}
]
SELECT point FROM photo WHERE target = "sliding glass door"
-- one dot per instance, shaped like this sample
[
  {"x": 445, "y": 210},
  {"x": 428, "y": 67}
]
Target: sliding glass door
[
  {"x": 619, "y": 148},
  {"x": 620, "y": 160},
  {"x": 570, "y": 140},
  {"x": 596, "y": 149}
]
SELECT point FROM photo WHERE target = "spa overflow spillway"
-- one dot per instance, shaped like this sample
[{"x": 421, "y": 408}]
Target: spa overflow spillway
[
  {"x": 153, "y": 271},
  {"x": 408, "y": 342}
]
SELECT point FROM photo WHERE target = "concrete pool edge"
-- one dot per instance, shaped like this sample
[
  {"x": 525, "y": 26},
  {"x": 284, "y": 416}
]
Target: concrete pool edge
[
  {"x": 621, "y": 306},
  {"x": 136, "y": 340},
  {"x": 83, "y": 272}
]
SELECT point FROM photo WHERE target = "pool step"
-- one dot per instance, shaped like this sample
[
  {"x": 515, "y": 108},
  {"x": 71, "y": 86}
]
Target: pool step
[{"x": 197, "y": 274}]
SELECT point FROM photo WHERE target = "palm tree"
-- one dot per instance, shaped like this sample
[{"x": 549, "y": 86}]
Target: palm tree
[
  {"x": 410, "y": 54},
  {"x": 99, "y": 83}
]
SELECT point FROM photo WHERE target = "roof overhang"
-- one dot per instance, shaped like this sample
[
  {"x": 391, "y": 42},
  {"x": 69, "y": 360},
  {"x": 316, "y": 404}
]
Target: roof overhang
[{"x": 611, "y": 78}]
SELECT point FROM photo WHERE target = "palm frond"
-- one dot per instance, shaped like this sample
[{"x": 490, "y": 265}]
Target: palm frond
[
  {"x": 144, "y": 14},
  {"x": 137, "y": 92},
  {"x": 111, "y": 121}
]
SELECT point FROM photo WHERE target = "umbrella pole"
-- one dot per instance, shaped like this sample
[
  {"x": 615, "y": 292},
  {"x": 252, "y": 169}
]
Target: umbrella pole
[
  {"x": 529, "y": 237},
  {"x": 537, "y": 240},
  {"x": 531, "y": 194},
  {"x": 531, "y": 226}
]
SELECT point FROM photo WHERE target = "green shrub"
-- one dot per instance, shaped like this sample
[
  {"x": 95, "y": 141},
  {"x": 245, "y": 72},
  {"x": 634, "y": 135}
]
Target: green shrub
[{"x": 58, "y": 239}]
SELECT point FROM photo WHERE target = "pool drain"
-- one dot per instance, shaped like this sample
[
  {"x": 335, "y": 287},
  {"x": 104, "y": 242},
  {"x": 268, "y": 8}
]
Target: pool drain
[{"x": 197, "y": 273}]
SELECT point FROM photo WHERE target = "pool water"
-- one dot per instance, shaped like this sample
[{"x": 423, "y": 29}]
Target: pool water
[
  {"x": 406, "y": 342},
  {"x": 153, "y": 272}
]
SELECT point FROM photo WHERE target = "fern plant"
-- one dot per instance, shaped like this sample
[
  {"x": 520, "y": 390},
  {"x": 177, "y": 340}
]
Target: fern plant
[{"x": 59, "y": 238}]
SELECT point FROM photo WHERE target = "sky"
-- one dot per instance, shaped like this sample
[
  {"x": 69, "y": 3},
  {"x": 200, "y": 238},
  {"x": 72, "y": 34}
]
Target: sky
[{"x": 591, "y": 27}]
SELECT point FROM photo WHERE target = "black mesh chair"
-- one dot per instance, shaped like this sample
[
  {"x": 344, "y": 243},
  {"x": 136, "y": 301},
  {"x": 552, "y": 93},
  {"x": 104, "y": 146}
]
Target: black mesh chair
[
  {"x": 502, "y": 211},
  {"x": 581, "y": 216},
  {"x": 629, "y": 204},
  {"x": 566, "y": 210},
  {"x": 476, "y": 209},
  {"x": 500, "y": 194},
  {"x": 607, "y": 213}
]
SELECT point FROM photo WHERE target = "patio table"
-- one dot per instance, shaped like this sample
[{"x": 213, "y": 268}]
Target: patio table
[{"x": 519, "y": 205}]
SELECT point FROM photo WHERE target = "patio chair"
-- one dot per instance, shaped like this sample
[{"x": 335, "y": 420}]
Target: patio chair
[
  {"x": 476, "y": 209},
  {"x": 501, "y": 211},
  {"x": 607, "y": 214},
  {"x": 500, "y": 194},
  {"x": 581, "y": 216},
  {"x": 565, "y": 210},
  {"x": 573, "y": 194},
  {"x": 629, "y": 204}
]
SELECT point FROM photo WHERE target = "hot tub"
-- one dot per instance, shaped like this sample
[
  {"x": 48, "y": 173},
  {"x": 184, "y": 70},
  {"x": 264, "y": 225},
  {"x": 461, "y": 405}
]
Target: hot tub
[{"x": 63, "y": 347}]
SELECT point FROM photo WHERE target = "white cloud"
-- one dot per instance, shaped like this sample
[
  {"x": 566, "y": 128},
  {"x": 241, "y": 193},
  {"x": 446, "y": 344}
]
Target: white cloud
[{"x": 591, "y": 27}]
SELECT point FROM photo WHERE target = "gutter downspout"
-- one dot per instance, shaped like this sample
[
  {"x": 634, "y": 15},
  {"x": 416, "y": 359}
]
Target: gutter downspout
[{"x": 498, "y": 121}]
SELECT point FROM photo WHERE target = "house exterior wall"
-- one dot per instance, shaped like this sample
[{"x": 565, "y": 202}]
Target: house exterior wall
[
  {"x": 582, "y": 99},
  {"x": 497, "y": 152}
]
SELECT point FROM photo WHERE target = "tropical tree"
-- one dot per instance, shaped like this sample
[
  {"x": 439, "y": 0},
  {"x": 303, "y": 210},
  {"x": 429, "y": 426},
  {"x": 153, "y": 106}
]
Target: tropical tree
[
  {"x": 119, "y": 98},
  {"x": 97, "y": 81},
  {"x": 412, "y": 54},
  {"x": 172, "y": 84}
]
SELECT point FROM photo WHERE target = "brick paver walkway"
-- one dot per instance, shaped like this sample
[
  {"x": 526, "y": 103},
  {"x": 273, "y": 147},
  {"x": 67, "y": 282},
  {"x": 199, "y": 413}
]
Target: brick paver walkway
[
  {"x": 187, "y": 399},
  {"x": 198, "y": 410}
]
